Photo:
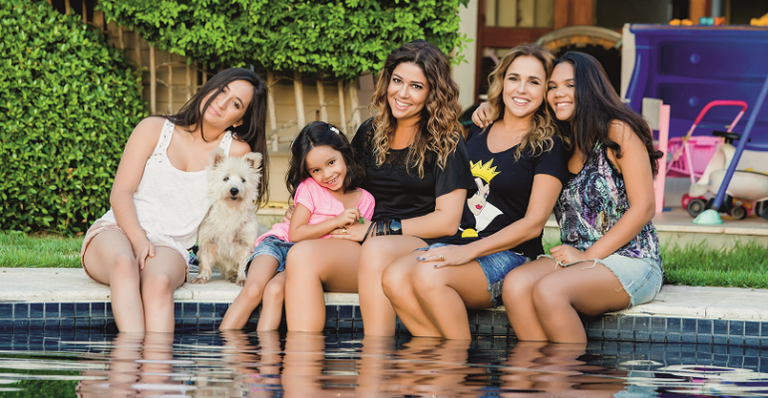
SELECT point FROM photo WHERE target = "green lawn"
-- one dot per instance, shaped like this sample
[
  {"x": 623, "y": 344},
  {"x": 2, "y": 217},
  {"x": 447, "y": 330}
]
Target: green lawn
[{"x": 743, "y": 265}]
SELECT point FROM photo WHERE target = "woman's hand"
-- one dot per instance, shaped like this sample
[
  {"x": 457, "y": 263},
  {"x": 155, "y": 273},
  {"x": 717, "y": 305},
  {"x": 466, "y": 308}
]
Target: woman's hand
[
  {"x": 482, "y": 115},
  {"x": 143, "y": 249},
  {"x": 444, "y": 256},
  {"x": 565, "y": 254},
  {"x": 288, "y": 214},
  {"x": 354, "y": 231}
]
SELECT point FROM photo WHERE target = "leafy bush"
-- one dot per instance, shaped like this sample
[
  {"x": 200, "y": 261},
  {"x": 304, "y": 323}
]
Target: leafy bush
[
  {"x": 68, "y": 103},
  {"x": 343, "y": 38}
]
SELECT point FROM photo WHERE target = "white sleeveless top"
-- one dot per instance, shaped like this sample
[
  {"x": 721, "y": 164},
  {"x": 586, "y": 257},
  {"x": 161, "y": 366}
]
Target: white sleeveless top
[{"x": 170, "y": 203}]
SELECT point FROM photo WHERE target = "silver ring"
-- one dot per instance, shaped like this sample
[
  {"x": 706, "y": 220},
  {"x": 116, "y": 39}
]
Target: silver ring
[{"x": 442, "y": 258}]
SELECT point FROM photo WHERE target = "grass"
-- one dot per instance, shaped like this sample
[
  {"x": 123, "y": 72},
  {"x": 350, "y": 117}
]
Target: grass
[
  {"x": 19, "y": 250},
  {"x": 742, "y": 265}
]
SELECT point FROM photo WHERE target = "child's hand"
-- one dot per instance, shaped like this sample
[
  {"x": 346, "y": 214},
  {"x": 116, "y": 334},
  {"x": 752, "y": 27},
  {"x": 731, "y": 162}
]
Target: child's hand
[
  {"x": 354, "y": 231},
  {"x": 348, "y": 216},
  {"x": 482, "y": 115}
]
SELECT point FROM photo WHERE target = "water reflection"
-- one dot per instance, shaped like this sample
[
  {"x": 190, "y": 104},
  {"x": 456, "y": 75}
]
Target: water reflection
[{"x": 269, "y": 364}]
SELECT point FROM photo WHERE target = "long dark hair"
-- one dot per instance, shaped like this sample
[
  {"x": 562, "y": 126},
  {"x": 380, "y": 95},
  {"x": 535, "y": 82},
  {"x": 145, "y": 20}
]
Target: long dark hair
[
  {"x": 439, "y": 127},
  {"x": 597, "y": 104},
  {"x": 317, "y": 134},
  {"x": 253, "y": 128}
]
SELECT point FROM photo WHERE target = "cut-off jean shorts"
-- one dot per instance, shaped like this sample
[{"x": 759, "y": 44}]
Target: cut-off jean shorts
[
  {"x": 495, "y": 266},
  {"x": 641, "y": 278},
  {"x": 274, "y": 247}
]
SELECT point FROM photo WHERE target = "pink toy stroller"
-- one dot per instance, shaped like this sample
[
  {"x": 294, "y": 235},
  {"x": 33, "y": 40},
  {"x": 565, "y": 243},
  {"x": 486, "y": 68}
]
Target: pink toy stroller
[{"x": 691, "y": 154}]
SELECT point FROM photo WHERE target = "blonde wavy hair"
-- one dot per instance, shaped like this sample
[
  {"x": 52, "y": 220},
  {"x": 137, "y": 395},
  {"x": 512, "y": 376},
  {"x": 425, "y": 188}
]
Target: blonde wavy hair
[
  {"x": 543, "y": 127},
  {"x": 439, "y": 128}
]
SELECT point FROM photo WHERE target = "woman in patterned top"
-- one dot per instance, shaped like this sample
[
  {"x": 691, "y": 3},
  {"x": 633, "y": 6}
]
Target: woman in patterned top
[{"x": 609, "y": 259}]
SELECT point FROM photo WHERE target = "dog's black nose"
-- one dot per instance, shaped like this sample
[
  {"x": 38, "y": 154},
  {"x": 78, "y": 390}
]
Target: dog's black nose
[{"x": 233, "y": 191}]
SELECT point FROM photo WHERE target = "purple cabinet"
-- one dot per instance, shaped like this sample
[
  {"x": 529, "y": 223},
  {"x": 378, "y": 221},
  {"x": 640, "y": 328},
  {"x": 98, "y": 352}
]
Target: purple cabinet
[{"x": 687, "y": 67}]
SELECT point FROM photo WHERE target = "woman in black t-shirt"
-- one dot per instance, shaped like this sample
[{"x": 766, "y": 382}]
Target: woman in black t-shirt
[
  {"x": 416, "y": 169},
  {"x": 519, "y": 165}
]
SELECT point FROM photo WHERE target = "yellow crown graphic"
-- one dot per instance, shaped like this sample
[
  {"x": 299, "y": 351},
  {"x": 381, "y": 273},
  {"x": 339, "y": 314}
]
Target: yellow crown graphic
[{"x": 484, "y": 171}]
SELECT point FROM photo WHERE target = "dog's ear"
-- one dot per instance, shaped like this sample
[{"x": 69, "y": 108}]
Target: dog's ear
[
  {"x": 254, "y": 159},
  {"x": 216, "y": 156}
]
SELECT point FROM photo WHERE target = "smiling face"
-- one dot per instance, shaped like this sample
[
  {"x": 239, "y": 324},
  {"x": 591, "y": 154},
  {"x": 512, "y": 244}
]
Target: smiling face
[
  {"x": 524, "y": 87},
  {"x": 561, "y": 94},
  {"x": 407, "y": 92},
  {"x": 326, "y": 166},
  {"x": 228, "y": 107}
]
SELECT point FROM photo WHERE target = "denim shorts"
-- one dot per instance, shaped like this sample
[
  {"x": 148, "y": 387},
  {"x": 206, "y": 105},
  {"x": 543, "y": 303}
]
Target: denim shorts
[
  {"x": 641, "y": 278},
  {"x": 495, "y": 266},
  {"x": 274, "y": 247}
]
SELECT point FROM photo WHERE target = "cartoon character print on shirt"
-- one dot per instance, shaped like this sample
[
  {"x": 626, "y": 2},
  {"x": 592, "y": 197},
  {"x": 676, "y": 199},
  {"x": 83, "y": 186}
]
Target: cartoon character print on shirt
[{"x": 478, "y": 204}]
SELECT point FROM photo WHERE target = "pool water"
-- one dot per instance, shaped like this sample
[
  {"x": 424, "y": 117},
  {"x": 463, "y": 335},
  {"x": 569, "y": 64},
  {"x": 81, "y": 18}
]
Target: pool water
[{"x": 83, "y": 363}]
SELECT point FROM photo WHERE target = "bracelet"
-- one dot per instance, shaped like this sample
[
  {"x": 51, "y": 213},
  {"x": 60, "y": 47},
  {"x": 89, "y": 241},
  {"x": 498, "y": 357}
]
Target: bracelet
[
  {"x": 381, "y": 228},
  {"x": 337, "y": 222},
  {"x": 368, "y": 232},
  {"x": 395, "y": 227}
]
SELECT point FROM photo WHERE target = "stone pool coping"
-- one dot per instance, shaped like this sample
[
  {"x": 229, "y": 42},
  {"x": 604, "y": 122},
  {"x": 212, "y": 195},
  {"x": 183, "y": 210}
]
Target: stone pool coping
[{"x": 67, "y": 298}]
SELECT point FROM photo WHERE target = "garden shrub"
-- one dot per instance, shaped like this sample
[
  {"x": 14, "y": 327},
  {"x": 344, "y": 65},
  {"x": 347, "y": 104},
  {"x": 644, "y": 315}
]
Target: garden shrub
[
  {"x": 342, "y": 38},
  {"x": 68, "y": 102}
]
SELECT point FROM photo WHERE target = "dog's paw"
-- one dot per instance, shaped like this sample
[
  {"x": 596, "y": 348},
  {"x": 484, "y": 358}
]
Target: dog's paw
[
  {"x": 240, "y": 282},
  {"x": 200, "y": 280},
  {"x": 234, "y": 279}
]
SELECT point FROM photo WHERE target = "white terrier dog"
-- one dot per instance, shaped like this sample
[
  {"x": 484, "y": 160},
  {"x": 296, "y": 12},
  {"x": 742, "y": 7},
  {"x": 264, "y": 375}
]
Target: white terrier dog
[{"x": 229, "y": 230}]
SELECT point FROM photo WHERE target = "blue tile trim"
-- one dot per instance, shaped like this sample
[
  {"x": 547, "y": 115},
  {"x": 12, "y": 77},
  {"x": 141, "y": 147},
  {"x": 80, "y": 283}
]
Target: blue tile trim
[{"x": 624, "y": 329}]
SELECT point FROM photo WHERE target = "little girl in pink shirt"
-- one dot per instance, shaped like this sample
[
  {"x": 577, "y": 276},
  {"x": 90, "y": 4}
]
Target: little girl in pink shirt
[{"x": 322, "y": 178}]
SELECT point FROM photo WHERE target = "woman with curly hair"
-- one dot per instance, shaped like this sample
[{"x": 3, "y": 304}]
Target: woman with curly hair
[
  {"x": 609, "y": 259},
  {"x": 519, "y": 165},
  {"x": 416, "y": 169}
]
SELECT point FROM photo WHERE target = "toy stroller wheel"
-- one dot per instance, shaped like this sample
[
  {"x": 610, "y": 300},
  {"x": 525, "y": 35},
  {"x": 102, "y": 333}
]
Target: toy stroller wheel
[
  {"x": 696, "y": 207},
  {"x": 685, "y": 200},
  {"x": 739, "y": 213}
]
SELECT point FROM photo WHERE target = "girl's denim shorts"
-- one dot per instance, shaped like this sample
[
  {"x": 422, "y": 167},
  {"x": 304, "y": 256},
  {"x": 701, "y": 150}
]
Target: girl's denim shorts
[
  {"x": 274, "y": 247},
  {"x": 641, "y": 278},
  {"x": 495, "y": 266}
]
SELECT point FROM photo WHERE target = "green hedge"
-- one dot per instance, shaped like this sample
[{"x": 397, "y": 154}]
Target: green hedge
[
  {"x": 68, "y": 103},
  {"x": 342, "y": 38}
]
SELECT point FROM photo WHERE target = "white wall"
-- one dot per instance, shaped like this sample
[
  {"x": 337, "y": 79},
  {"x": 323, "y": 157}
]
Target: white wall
[{"x": 464, "y": 74}]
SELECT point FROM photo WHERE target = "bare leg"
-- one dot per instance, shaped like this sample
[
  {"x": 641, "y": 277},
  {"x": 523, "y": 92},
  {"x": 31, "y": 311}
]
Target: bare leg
[
  {"x": 518, "y": 298},
  {"x": 110, "y": 260},
  {"x": 580, "y": 288},
  {"x": 259, "y": 274},
  {"x": 399, "y": 289},
  {"x": 374, "y": 364},
  {"x": 444, "y": 294},
  {"x": 313, "y": 265},
  {"x": 161, "y": 276},
  {"x": 303, "y": 364},
  {"x": 378, "y": 314},
  {"x": 272, "y": 305}
]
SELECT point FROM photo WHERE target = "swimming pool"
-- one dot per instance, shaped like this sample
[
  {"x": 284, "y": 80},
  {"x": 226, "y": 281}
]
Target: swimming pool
[{"x": 92, "y": 363}]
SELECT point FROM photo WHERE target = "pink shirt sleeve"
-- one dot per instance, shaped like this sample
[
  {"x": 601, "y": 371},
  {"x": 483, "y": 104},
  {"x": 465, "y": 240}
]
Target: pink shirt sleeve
[{"x": 304, "y": 194}]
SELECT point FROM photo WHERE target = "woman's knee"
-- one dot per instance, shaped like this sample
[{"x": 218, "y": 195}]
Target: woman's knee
[
  {"x": 546, "y": 297},
  {"x": 302, "y": 259},
  {"x": 394, "y": 279},
  {"x": 159, "y": 285},
  {"x": 427, "y": 278},
  {"x": 518, "y": 284},
  {"x": 124, "y": 268}
]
